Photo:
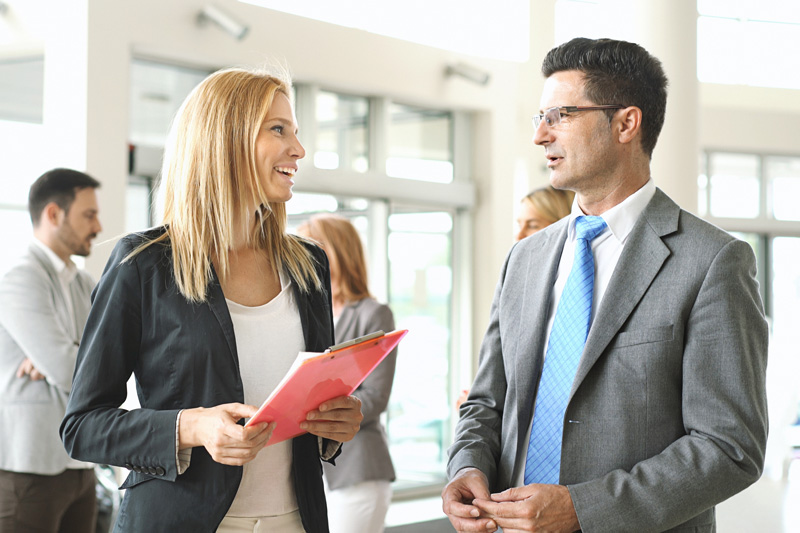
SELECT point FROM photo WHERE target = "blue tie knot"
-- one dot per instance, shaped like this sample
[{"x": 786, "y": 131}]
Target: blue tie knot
[{"x": 589, "y": 227}]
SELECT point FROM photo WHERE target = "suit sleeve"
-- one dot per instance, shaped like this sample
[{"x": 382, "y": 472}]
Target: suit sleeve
[
  {"x": 30, "y": 317},
  {"x": 724, "y": 413},
  {"x": 374, "y": 392},
  {"x": 94, "y": 428},
  {"x": 477, "y": 435}
]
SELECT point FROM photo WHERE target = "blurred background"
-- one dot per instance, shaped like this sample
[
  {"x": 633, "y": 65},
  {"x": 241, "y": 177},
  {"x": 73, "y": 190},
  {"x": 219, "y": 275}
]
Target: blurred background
[{"x": 416, "y": 118}]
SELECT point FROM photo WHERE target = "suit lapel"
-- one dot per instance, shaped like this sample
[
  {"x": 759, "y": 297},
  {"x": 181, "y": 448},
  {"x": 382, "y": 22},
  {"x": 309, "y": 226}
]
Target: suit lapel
[
  {"x": 216, "y": 301},
  {"x": 57, "y": 292},
  {"x": 640, "y": 262},
  {"x": 542, "y": 267}
]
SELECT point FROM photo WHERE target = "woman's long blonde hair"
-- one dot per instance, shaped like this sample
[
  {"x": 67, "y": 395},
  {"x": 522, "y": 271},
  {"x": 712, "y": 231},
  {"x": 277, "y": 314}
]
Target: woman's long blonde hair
[{"x": 210, "y": 178}]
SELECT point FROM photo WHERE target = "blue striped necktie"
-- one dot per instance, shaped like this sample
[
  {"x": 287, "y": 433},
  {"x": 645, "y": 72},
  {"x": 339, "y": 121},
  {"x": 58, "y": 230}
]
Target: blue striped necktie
[{"x": 564, "y": 349}]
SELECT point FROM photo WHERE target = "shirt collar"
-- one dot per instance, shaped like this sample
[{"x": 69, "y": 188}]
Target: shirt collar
[
  {"x": 622, "y": 217},
  {"x": 66, "y": 271}
]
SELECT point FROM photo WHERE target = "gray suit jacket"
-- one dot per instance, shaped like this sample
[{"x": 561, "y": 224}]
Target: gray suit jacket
[
  {"x": 366, "y": 457},
  {"x": 667, "y": 415},
  {"x": 35, "y": 323}
]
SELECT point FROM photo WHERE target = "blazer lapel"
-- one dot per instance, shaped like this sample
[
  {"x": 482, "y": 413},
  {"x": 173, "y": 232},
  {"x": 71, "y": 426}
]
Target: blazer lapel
[
  {"x": 640, "y": 262},
  {"x": 216, "y": 301},
  {"x": 58, "y": 293},
  {"x": 542, "y": 268}
]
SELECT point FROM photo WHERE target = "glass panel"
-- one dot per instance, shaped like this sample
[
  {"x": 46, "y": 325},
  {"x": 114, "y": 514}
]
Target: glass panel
[
  {"x": 421, "y": 274},
  {"x": 783, "y": 175},
  {"x": 22, "y": 89},
  {"x": 22, "y": 164},
  {"x": 702, "y": 188},
  {"x": 14, "y": 242},
  {"x": 420, "y": 144},
  {"x": 731, "y": 37},
  {"x": 157, "y": 91},
  {"x": 342, "y": 132},
  {"x": 137, "y": 207},
  {"x": 734, "y": 185},
  {"x": 784, "y": 365}
]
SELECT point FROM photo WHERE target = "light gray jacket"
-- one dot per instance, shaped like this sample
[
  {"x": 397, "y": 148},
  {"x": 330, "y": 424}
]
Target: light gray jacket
[
  {"x": 366, "y": 457},
  {"x": 35, "y": 323},
  {"x": 667, "y": 415}
]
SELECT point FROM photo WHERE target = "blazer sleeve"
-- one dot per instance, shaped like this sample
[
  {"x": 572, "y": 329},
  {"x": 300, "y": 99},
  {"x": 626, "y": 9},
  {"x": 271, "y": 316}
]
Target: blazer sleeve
[
  {"x": 374, "y": 392},
  {"x": 94, "y": 428},
  {"x": 30, "y": 317},
  {"x": 478, "y": 432},
  {"x": 724, "y": 407}
]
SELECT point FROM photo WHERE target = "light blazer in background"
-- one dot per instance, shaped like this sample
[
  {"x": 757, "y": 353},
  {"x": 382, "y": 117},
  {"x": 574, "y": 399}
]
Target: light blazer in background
[
  {"x": 667, "y": 414},
  {"x": 36, "y": 323},
  {"x": 366, "y": 457}
]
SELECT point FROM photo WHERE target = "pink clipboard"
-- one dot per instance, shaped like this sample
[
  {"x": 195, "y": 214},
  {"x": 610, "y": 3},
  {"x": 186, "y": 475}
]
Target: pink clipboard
[{"x": 317, "y": 377}]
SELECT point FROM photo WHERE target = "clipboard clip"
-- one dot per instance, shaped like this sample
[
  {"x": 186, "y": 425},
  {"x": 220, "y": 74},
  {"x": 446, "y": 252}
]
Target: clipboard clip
[{"x": 364, "y": 338}]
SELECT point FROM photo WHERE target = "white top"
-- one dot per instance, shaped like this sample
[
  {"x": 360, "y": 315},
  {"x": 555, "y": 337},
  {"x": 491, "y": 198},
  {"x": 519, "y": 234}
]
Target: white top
[
  {"x": 66, "y": 275},
  {"x": 268, "y": 339},
  {"x": 606, "y": 249}
]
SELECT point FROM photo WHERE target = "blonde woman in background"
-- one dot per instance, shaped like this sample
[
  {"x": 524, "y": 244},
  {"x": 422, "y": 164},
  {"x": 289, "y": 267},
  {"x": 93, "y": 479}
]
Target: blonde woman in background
[
  {"x": 542, "y": 207},
  {"x": 359, "y": 487},
  {"x": 208, "y": 311},
  {"x": 537, "y": 210}
]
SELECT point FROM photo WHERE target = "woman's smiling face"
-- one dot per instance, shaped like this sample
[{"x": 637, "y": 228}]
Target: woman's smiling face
[{"x": 278, "y": 149}]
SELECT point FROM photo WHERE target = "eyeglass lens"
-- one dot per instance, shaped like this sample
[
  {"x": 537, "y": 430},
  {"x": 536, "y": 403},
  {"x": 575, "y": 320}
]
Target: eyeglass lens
[{"x": 551, "y": 117}]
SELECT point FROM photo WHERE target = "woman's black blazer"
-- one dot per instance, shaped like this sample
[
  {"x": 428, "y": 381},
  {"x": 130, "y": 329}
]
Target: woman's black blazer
[{"x": 183, "y": 355}]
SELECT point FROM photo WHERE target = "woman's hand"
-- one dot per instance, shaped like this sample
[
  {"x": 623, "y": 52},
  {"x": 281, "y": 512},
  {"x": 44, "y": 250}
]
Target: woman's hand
[
  {"x": 338, "y": 419},
  {"x": 217, "y": 431}
]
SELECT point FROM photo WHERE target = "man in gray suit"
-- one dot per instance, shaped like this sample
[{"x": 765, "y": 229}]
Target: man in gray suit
[
  {"x": 44, "y": 302},
  {"x": 664, "y": 411}
]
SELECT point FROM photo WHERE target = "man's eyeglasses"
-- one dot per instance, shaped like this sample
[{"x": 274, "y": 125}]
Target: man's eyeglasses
[{"x": 553, "y": 115}]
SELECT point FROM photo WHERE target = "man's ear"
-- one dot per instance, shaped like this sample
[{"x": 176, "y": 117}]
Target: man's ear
[
  {"x": 629, "y": 124},
  {"x": 52, "y": 214}
]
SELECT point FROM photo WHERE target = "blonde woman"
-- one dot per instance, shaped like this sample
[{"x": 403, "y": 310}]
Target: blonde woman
[
  {"x": 208, "y": 312},
  {"x": 542, "y": 207},
  {"x": 359, "y": 487}
]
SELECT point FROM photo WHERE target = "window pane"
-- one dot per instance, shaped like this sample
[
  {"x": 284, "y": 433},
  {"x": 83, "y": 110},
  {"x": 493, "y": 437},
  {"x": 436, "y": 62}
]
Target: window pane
[
  {"x": 137, "y": 208},
  {"x": 420, "y": 144},
  {"x": 22, "y": 89},
  {"x": 783, "y": 175},
  {"x": 342, "y": 132},
  {"x": 731, "y": 37},
  {"x": 734, "y": 185},
  {"x": 22, "y": 164},
  {"x": 157, "y": 91},
  {"x": 784, "y": 365},
  {"x": 420, "y": 270}
]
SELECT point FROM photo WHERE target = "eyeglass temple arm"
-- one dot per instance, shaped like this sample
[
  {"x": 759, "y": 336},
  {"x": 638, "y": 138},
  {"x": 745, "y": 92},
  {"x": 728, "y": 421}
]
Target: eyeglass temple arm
[{"x": 574, "y": 108}]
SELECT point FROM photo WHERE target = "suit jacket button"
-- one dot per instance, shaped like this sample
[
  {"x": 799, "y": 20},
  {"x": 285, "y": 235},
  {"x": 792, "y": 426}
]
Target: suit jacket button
[
  {"x": 137, "y": 469},
  {"x": 129, "y": 466},
  {"x": 160, "y": 471},
  {"x": 151, "y": 470}
]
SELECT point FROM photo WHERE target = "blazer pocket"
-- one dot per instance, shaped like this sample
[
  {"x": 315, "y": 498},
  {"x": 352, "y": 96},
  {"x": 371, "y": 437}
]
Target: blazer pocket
[{"x": 643, "y": 336}]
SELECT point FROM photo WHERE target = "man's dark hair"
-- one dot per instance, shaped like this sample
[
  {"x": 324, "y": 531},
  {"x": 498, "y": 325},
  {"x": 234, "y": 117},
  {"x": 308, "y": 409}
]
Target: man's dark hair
[
  {"x": 616, "y": 72},
  {"x": 58, "y": 185}
]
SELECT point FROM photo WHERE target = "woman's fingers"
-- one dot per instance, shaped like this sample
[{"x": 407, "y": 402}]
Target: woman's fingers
[{"x": 338, "y": 419}]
